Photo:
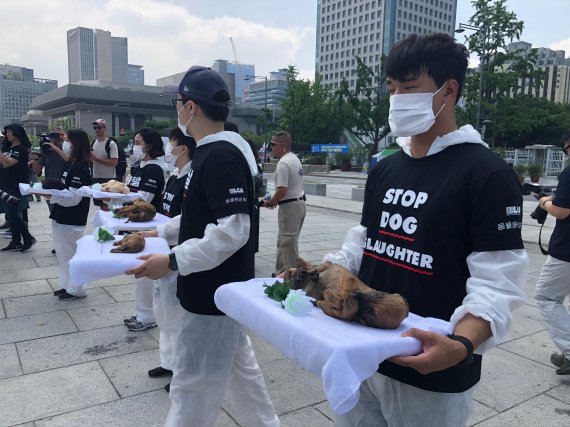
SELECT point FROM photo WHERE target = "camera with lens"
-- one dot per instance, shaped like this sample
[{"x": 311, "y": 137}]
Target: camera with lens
[
  {"x": 11, "y": 200},
  {"x": 47, "y": 138},
  {"x": 539, "y": 214}
]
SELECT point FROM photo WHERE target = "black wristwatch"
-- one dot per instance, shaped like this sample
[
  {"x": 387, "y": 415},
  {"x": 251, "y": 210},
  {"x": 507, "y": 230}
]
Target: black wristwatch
[
  {"x": 467, "y": 343},
  {"x": 172, "y": 264}
]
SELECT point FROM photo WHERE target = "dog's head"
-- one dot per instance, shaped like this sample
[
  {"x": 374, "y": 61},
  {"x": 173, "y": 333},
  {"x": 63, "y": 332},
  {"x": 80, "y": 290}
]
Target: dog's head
[{"x": 380, "y": 309}]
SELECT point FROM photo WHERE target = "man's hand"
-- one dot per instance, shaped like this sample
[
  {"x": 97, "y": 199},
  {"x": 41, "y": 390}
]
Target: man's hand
[
  {"x": 545, "y": 199},
  {"x": 149, "y": 233},
  {"x": 267, "y": 205},
  {"x": 154, "y": 267},
  {"x": 94, "y": 157},
  {"x": 439, "y": 352}
]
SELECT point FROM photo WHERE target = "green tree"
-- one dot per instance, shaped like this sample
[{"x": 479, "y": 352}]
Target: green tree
[
  {"x": 369, "y": 104},
  {"x": 310, "y": 113},
  {"x": 163, "y": 127}
]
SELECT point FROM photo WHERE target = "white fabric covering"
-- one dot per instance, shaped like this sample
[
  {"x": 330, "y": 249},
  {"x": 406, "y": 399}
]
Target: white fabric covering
[
  {"x": 102, "y": 218},
  {"x": 342, "y": 353}
]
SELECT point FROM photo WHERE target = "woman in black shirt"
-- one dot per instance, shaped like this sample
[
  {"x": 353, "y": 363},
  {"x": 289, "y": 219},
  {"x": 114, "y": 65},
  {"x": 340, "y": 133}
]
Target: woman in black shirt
[
  {"x": 70, "y": 213},
  {"x": 14, "y": 171}
]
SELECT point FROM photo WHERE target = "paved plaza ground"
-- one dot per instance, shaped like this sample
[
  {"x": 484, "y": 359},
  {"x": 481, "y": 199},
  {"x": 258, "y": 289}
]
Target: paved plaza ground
[{"x": 75, "y": 364}]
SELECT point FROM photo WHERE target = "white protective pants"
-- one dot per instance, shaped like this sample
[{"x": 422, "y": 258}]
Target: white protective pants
[
  {"x": 552, "y": 288},
  {"x": 143, "y": 300},
  {"x": 208, "y": 354},
  {"x": 386, "y": 402},
  {"x": 164, "y": 299},
  {"x": 65, "y": 239}
]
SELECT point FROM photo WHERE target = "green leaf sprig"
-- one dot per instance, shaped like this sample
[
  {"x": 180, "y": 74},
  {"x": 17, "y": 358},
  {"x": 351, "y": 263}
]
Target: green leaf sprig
[
  {"x": 278, "y": 291},
  {"x": 104, "y": 236}
]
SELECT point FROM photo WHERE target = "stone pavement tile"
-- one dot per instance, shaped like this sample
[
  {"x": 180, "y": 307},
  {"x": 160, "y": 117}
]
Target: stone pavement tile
[
  {"x": 561, "y": 392},
  {"x": 44, "y": 303},
  {"x": 25, "y": 425},
  {"x": 100, "y": 316},
  {"x": 30, "y": 397},
  {"x": 17, "y": 264},
  {"x": 537, "y": 347},
  {"x": 128, "y": 373},
  {"x": 509, "y": 379},
  {"x": 147, "y": 409},
  {"x": 306, "y": 417},
  {"x": 480, "y": 412},
  {"x": 122, "y": 293},
  {"x": 325, "y": 409},
  {"x": 155, "y": 333},
  {"x": 22, "y": 328},
  {"x": 11, "y": 276},
  {"x": 69, "y": 349},
  {"x": 22, "y": 289},
  {"x": 10, "y": 365},
  {"x": 289, "y": 386},
  {"x": 46, "y": 261},
  {"x": 526, "y": 321},
  {"x": 540, "y": 411},
  {"x": 2, "y": 312}
]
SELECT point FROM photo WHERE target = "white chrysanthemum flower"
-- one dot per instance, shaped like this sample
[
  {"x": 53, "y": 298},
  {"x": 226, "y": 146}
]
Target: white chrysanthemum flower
[{"x": 298, "y": 303}]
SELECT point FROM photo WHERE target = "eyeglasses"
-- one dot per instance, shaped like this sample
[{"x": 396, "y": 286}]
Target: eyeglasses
[
  {"x": 97, "y": 127},
  {"x": 175, "y": 100}
]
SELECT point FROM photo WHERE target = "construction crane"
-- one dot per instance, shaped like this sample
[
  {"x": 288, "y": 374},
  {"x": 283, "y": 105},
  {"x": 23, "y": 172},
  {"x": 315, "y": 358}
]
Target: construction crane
[{"x": 235, "y": 50}]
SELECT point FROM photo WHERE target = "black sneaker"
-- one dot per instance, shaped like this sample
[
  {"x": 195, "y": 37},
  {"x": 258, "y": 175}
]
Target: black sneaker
[
  {"x": 68, "y": 297},
  {"x": 59, "y": 292},
  {"x": 564, "y": 368},
  {"x": 159, "y": 372},
  {"x": 132, "y": 319},
  {"x": 557, "y": 359},
  {"x": 167, "y": 387},
  {"x": 140, "y": 326},
  {"x": 28, "y": 244},
  {"x": 12, "y": 247}
]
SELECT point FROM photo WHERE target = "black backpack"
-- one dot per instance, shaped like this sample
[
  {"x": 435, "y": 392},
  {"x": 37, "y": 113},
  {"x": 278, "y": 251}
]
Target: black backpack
[{"x": 121, "y": 168}]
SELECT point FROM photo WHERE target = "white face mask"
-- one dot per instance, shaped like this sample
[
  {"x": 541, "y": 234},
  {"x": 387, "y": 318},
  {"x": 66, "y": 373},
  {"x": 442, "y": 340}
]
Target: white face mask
[
  {"x": 66, "y": 147},
  {"x": 181, "y": 126},
  {"x": 412, "y": 113},
  {"x": 138, "y": 152}
]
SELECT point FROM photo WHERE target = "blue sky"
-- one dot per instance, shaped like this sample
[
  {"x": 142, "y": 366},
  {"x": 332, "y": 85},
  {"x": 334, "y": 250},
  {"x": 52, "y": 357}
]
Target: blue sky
[{"x": 167, "y": 36}]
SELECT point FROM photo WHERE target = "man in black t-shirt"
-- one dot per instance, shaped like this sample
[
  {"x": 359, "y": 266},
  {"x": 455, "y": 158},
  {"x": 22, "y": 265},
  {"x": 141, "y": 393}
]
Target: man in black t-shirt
[
  {"x": 554, "y": 282},
  {"x": 209, "y": 349},
  {"x": 440, "y": 225}
]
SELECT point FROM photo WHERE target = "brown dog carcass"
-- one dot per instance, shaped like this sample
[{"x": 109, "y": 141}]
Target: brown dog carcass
[
  {"x": 130, "y": 244},
  {"x": 114, "y": 186},
  {"x": 53, "y": 184},
  {"x": 137, "y": 211},
  {"x": 341, "y": 295}
]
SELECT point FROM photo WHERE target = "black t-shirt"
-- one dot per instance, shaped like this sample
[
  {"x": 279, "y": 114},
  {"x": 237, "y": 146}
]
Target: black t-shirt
[
  {"x": 559, "y": 246},
  {"x": 11, "y": 176},
  {"x": 219, "y": 184},
  {"x": 53, "y": 164},
  {"x": 172, "y": 198},
  {"x": 75, "y": 175},
  {"x": 149, "y": 178},
  {"x": 424, "y": 217}
]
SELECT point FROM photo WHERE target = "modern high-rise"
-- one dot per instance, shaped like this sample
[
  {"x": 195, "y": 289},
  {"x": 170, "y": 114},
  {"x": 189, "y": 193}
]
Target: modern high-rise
[
  {"x": 259, "y": 94},
  {"x": 368, "y": 29},
  {"x": 136, "y": 74},
  {"x": 93, "y": 54},
  {"x": 17, "y": 89},
  {"x": 240, "y": 76}
]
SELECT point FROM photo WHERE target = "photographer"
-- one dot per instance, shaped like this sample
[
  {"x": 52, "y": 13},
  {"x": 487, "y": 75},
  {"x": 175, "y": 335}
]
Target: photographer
[{"x": 554, "y": 282}]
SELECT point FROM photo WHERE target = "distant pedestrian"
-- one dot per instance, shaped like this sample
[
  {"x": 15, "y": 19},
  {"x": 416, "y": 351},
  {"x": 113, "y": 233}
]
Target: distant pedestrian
[
  {"x": 105, "y": 154},
  {"x": 290, "y": 197}
]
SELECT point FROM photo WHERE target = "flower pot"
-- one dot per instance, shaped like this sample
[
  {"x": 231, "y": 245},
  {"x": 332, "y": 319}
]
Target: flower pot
[
  {"x": 534, "y": 178},
  {"x": 345, "y": 167}
]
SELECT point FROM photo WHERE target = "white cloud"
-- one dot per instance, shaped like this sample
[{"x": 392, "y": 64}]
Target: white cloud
[
  {"x": 562, "y": 45},
  {"x": 163, "y": 37}
]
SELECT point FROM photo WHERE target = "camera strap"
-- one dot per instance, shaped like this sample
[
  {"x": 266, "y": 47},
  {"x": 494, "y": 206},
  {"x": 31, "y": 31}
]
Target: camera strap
[{"x": 544, "y": 252}]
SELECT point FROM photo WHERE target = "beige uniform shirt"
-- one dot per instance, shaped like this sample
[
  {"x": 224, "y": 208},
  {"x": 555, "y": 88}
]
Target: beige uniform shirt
[
  {"x": 99, "y": 169},
  {"x": 289, "y": 173}
]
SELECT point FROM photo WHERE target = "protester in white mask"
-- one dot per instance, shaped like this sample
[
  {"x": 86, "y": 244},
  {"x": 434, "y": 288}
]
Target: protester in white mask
[{"x": 451, "y": 209}]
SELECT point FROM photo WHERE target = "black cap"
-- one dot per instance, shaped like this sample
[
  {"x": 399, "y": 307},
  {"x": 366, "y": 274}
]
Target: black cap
[{"x": 203, "y": 85}]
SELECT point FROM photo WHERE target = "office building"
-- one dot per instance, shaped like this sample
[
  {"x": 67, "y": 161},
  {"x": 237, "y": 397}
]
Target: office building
[
  {"x": 368, "y": 29},
  {"x": 259, "y": 95},
  {"x": 240, "y": 76},
  {"x": 17, "y": 89},
  {"x": 136, "y": 74},
  {"x": 556, "y": 84},
  {"x": 93, "y": 54}
]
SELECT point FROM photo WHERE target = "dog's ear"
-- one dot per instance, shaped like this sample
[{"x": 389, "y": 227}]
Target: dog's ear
[{"x": 301, "y": 263}]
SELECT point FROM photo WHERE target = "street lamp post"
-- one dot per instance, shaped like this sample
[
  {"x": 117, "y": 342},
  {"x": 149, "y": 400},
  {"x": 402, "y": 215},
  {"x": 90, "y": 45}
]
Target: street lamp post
[
  {"x": 249, "y": 77},
  {"x": 483, "y": 32}
]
